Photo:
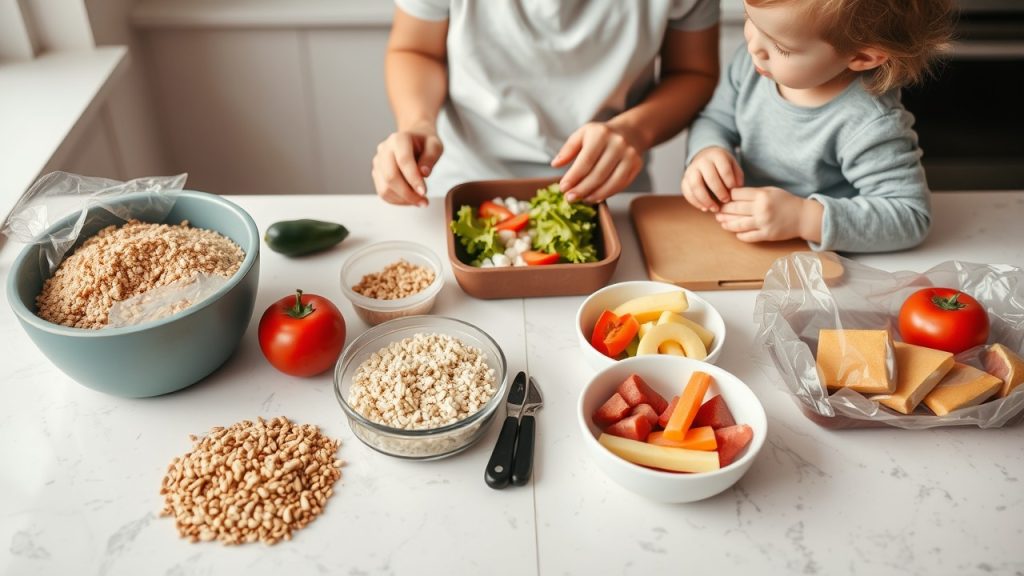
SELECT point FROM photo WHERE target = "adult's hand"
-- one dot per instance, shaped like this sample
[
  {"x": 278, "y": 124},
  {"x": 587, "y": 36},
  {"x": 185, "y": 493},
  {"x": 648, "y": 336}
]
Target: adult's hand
[
  {"x": 604, "y": 161},
  {"x": 402, "y": 162}
]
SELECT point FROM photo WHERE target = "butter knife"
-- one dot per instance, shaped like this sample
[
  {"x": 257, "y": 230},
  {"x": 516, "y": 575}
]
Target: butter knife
[
  {"x": 522, "y": 464},
  {"x": 499, "y": 467}
]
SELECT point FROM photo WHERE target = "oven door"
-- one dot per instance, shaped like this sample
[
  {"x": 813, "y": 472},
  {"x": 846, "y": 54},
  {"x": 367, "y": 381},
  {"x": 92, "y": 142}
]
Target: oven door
[{"x": 970, "y": 116}]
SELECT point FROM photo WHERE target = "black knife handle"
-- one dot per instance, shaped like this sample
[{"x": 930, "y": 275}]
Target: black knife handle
[
  {"x": 523, "y": 464},
  {"x": 499, "y": 467}
]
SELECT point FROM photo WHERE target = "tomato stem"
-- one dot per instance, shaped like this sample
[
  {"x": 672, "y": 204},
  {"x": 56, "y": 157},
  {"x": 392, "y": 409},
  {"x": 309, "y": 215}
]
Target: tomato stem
[
  {"x": 298, "y": 310},
  {"x": 951, "y": 303}
]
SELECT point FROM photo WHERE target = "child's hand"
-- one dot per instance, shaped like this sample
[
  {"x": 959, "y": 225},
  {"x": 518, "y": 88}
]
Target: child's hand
[
  {"x": 604, "y": 161},
  {"x": 712, "y": 173},
  {"x": 770, "y": 213},
  {"x": 401, "y": 163}
]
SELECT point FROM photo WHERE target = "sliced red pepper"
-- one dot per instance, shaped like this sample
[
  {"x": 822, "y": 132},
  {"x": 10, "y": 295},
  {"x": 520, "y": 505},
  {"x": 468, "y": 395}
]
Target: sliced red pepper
[
  {"x": 515, "y": 223},
  {"x": 491, "y": 210},
  {"x": 535, "y": 258},
  {"x": 604, "y": 323},
  {"x": 612, "y": 334},
  {"x": 620, "y": 335}
]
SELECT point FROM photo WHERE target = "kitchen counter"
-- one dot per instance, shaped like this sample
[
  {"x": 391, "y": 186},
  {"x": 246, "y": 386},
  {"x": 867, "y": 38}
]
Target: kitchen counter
[{"x": 81, "y": 471}]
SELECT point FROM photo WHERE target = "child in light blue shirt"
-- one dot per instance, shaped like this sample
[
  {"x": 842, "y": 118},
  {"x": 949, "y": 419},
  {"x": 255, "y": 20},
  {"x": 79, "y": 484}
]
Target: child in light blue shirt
[{"x": 805, "y": 136}]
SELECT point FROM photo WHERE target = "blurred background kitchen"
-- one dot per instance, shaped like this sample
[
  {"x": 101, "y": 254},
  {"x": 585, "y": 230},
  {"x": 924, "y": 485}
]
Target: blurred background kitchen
[{"x": 287, "y": 96}]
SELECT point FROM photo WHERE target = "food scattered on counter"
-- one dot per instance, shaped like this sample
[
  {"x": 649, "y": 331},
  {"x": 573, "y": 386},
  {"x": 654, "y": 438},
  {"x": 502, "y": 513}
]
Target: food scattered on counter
[
  {"x": 301, "y": 237},
  {"x": 548, "y": 229},
  {"x": 861, "y": 360},
  {"x": 399, "y": 279},
  {"x": 943, "y": 319},
  {"x": 1002, "y": 363},
  {"x": 302, "y": 335},
  {"x": 918, "y": 371},
  {"x": 124, "y": 261},
  {"x": 695, "y": 436},
  {"x": 251, "y": 481},
  {"x": 651, "y": 324},
  {"x": 964, "y": 386},
  {"x": 423, "y": 382}
]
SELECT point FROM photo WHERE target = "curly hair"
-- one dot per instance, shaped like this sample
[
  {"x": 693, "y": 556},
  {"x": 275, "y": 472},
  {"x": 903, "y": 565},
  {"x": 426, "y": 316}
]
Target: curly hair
[{"x": 912, "y": 33}]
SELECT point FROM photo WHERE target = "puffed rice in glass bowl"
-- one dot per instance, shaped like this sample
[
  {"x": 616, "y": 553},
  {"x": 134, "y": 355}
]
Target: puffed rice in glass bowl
[{"x": 414, "y": 359}]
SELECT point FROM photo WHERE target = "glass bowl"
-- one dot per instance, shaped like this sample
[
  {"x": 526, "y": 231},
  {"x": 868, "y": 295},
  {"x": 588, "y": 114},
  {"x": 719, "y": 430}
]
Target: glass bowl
[
  {"x": 372, "y": 259},
  {"x": 431, "y": 443}
]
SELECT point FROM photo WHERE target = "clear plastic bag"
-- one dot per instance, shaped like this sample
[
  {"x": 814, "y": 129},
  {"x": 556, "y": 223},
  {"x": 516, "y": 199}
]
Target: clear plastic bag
[
  {"x": 55, "y": 210},
  {"x": 796, "y": 302},
  {"x": 164, "y": 300},
  {"x": 60, "y": 194}
]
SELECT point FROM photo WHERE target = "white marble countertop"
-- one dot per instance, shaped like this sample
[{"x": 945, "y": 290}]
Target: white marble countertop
[{"x": 80, "y": 471}]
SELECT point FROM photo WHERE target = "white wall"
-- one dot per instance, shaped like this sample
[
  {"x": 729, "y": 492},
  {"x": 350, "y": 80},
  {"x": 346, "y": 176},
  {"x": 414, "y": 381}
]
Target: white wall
[{"x": 121, "y": 139}]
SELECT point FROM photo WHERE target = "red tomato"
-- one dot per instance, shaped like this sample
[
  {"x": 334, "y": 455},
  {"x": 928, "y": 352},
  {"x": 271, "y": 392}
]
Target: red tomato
[
  {"x": 943, "y": 319},
  {"x": 612, "y": 334},
  {"x": 535, "y": 258},
  {"x": 491, "y": 210},
  {"x": 302, "y": 335},
  {"x": 515, "y": 223}
]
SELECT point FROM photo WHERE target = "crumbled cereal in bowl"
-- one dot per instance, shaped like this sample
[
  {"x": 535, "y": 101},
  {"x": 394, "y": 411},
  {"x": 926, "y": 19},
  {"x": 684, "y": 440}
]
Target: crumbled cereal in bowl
[
  {"x": 423, "y": 382},
  {"x": 399, "y": 279},
  {"x": 124, "y": 261}
]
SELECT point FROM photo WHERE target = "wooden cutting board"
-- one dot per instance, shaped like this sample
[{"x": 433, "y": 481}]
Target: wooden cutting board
[{"x": 687, "y": 247}]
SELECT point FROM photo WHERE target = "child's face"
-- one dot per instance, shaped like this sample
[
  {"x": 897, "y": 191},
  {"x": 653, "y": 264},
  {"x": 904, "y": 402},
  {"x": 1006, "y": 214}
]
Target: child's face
[{"x": 785, "y": 49}]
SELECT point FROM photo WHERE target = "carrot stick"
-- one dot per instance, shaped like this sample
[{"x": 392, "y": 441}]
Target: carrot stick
[
  {"x": 686, "y": 410},
  {"x": 702, "y": 438}
]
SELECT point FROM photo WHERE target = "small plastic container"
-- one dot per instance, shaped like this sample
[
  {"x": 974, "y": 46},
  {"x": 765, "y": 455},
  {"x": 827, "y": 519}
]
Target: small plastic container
[
  {"x": 374, "y": 258},
  {"x": 426, "y": 444}
]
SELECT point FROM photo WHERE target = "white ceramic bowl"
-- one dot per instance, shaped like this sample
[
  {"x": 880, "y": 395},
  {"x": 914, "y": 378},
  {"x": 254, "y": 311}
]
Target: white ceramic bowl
[
  {"x": 668, "y": 375},
  {"x": 372, "y": 259},
  {"x": 700, "y": 311}
]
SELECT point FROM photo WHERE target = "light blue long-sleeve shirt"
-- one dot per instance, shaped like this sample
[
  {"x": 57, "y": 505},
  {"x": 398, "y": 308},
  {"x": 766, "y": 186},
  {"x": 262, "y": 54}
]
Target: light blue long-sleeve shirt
[{"x": 857, "y": 155}]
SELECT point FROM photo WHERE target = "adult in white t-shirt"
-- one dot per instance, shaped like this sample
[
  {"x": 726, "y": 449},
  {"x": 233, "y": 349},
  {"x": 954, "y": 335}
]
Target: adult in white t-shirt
[{"x": 526, "y": 88}]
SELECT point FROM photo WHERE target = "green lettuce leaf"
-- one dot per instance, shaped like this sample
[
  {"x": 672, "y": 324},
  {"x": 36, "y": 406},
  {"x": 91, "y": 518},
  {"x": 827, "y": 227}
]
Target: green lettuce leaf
[
  {"x": 563, "y": 227},
  {"x": 478, "y": 235}
]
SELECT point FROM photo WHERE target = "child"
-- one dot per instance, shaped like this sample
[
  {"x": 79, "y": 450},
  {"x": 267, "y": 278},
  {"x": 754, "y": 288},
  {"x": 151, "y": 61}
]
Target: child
[{"x": 805, "y": 136}]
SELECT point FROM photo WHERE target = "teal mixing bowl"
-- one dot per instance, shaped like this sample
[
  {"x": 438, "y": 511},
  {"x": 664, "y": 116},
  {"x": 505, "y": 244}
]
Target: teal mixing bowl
[{"x": 156, "y": 357}]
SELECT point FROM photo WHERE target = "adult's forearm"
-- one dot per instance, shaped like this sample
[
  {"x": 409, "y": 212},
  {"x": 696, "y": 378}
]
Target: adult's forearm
[
  {"x": 668, "y": 109},
  {"x": 417, "y": 87}
]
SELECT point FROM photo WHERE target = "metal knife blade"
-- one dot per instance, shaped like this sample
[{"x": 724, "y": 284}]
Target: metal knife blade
[
  {"x": 522, "y": 462},
  {"x": 534, "y": 399},
  {"x": 516, "y": 396}
]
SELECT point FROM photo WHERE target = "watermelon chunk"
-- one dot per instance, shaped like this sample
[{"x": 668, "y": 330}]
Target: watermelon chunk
[
  {"x": 613, "y": 410},
  {"x": 715, "y": 413},
  {"x": 635, "y": 427},
  {"x": 646, "y": 411},
  {"x": 731, "y": 442},
  {"x": 667, "y": 412},
  {"x": 635, "y": 391}
]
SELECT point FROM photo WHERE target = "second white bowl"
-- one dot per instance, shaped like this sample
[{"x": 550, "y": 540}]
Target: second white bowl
[{"x": 668, "y": 375}]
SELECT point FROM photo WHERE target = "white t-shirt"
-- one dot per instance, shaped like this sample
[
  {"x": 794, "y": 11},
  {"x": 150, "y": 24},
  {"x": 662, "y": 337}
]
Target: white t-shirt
[{"x": 523, "y": 75}]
